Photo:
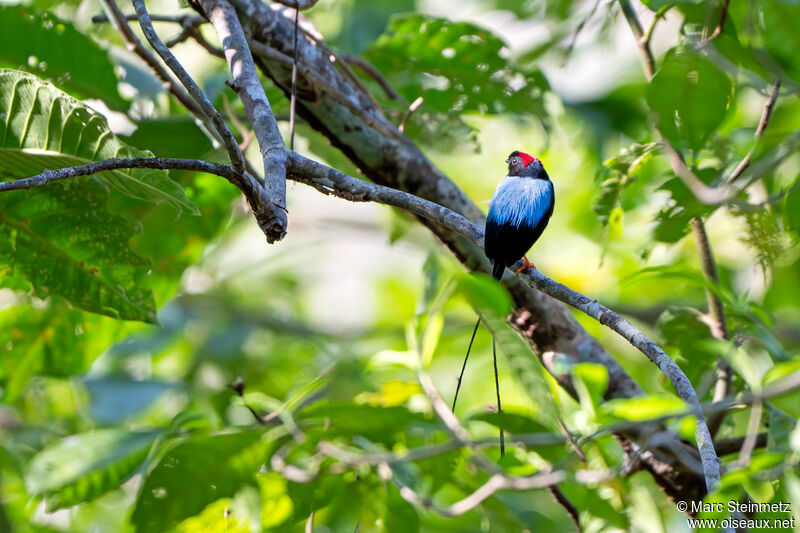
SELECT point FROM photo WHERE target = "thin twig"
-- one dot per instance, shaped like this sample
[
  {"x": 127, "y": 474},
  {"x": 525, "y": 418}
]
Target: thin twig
[
  {"x": 177, "y": 19},
  {"x": 723, "y": 16},
  {"x": 161, "y": 163},
  {"x": 642, "y": 44},
  {"x": 749, "y": 443},
  {"x": 562, "y": 500},
  {"x": 652, "y": 28},
  {"x": 495, "y": 483},
  {"x": 650, "y": 349},
  {"x": 578, "y": 30},
  {"x": 228, "y": 140},
  {"x": 413, "y": 107},
  {"x": 759, "y": 133},
  {"x": 244, "y": 131},
  {"x": 716, "y": 323}
]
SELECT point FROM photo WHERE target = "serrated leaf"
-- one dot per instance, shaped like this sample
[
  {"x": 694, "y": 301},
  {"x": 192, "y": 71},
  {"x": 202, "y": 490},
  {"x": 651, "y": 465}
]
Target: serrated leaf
[
  {"x": 195, "y": 473},
  {"x": 61, "y": 239},
  {"x": 456, "y": 67},
  {"x": 55, "y": 50},
  {"x": 80, "y": 467},
  {"x": 45, "y": 128}
]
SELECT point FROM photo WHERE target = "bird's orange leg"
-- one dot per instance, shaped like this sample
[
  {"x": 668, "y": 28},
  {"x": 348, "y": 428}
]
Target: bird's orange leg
[{"x": 527, "y": 265}]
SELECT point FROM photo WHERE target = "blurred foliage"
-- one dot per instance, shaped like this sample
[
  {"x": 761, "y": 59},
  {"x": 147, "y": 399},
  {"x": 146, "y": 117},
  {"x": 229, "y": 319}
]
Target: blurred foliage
[{"x": 108, "y": 423}]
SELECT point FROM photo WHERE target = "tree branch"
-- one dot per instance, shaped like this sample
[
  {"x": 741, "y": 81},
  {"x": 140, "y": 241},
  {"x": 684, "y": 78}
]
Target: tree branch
[
  {"x": 495, "y": 483},
  {"x": 228, "y": 140},
  {"x": 762, "y": 125},
  {"x": 160, "y": 163},
  {"x": 223, "y": 17}
]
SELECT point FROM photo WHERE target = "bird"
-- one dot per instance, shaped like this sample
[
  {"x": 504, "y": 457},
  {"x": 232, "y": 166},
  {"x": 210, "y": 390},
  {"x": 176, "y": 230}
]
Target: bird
[{"x": 519, "y": 211}]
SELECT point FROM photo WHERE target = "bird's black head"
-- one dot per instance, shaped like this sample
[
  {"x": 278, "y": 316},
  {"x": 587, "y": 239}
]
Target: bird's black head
[{"x": 522, "y": 164}]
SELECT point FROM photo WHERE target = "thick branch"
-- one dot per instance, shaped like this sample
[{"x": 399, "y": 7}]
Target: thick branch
[
  {"x": 330, "y": 181},
  {"x": 228, "y": 140},
  {"x": 245, "y": 77}
]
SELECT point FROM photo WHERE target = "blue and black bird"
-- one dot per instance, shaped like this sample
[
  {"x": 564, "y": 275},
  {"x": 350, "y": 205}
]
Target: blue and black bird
[{"x": 519, "y": 211}]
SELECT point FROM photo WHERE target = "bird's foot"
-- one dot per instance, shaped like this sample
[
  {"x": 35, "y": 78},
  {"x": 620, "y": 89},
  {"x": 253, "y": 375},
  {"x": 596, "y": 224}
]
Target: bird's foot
[{"x": 526, "y": 266}]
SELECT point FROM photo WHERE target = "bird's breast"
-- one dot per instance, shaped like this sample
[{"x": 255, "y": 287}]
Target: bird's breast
[{"x": 519, "y": 201}]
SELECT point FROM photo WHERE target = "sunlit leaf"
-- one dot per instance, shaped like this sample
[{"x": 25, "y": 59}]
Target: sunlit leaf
[
  {"x": 81, "y": 467},
  {"x": 690, "y": 95},
  {"x": 644, "y": 407},
  {"x": 45, "y": 128},
  {"x": 196, "y": 473},
  {"x": 63, "y": 241}
]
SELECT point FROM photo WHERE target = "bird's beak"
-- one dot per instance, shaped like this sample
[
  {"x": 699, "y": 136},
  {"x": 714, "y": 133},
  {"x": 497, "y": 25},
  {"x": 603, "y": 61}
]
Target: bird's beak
[{"x": 508, "y": 160}]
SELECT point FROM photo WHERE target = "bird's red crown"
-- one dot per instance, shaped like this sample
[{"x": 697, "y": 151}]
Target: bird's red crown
[{"x": 527, "y": 159}]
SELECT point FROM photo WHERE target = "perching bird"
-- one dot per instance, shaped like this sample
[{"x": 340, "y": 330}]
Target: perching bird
[{"x": 518, "y": 213}]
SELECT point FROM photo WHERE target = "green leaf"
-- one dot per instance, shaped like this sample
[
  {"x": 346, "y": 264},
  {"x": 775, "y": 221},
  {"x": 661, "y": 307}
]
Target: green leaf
[
  {"x": 643, "y": 407},
  {"x": 456, "y": 67},
  {"x": 655, "y": 5},
  {"x": 373, "y": 422},
  {"x": 55, "y": 50},
  {"x": 176, "y": 136},
  {"x": 777, "y": 22},
  {"x": 81, "y": 467},
  {"x": 511, "y": 422},
  {"x": 61, "y": 239},
  {"x": 401, "y": 516},
  {"x": 52, "y": 341},
  {"x": 595, "y": 379},
  {"x": 616, "y": 174},
  {"x": 45, "y": 128},
  {"x": 484, "y": 294},
  {"x": 195, "y": 473},
  {"x": 691, "y": 96}
]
